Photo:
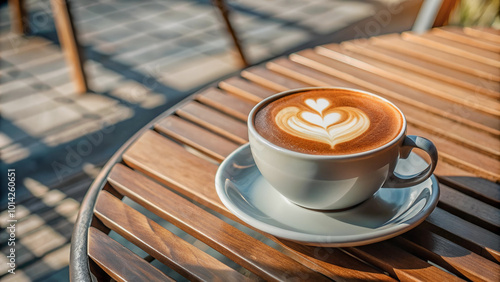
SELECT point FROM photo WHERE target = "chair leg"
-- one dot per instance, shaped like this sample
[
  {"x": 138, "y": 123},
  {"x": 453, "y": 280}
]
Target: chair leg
[
  {"x": 69, "y": 42},
  {"x": 224, "y": 11},
  {"x": 19, "y": 24},
  {"x": 444, "y": 13}
]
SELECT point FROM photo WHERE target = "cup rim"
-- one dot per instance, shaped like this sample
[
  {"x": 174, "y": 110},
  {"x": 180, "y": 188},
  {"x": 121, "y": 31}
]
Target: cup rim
[{"x": 258, "y": 106}]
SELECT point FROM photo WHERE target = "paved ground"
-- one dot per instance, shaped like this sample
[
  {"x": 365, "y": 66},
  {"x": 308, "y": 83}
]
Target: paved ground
[{"x": 142, "y": 58}]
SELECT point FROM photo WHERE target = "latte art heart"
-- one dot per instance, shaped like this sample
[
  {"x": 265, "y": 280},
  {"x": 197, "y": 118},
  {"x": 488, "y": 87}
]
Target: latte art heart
[{"x": 323, "y": 124}]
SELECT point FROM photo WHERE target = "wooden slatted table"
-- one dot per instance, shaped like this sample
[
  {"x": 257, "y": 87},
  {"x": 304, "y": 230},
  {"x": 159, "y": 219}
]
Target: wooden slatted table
[{"x": 153, "y": 211}]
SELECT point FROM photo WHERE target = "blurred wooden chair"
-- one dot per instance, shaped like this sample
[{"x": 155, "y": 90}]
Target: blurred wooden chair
[
  {"x": 225, "y": 14},
  {"x": 69, "y": 41},
  {"x": 65, "y": 31}
]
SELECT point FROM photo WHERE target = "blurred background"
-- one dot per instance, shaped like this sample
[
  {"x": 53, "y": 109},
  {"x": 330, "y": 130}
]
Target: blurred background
[{"x": 140, "y": 58}]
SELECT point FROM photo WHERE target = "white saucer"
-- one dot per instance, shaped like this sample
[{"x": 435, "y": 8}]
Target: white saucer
[{"x": 390, "y": 212}]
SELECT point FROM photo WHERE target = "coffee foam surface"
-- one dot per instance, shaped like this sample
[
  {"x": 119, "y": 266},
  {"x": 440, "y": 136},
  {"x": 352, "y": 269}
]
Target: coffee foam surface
[{"x": 326, "y": 121}]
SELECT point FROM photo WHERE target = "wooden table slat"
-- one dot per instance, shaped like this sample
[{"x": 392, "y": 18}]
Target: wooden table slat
[
  {"x": 412, "y": 79},
  {"x": 465, "y": 136},
  {"x": 453, "y": 47},
  {"x": 337, "y": 264},
  {"x": 215, "y": 121},
  {"x": 306, "y": 75},
  {"x": 236, "y": 84},
  {"x": 398, "y": 92},
  {"x": 178, "y": 254},
  {"x": 193, "y": 135},
  {"x": 226, "y": 103},
  {"x": 449, "y": 255},
  {"x": 396, "y": 43},
  {"x": 468, "y": 159},
  {"x": 271, "y": 80},
  {"x": 445, "y": 169},
  {"x": 146, "y": 155},
  {"x": 235, "y": 244},
  {"x": 113, "y": 257},
  {"x": 470, "y": 209},
  {"x": 483, "y": 33},
  {"x": 481, "y": 189},
  {"x": 466, "y": 80},
  {"x": 457, "y": 34},
  {"x": 466, "y": 234},
  {"x": 400, "y": 263}
]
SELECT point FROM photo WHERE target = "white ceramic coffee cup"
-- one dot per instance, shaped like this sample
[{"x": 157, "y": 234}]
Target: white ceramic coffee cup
[{"x": 331, "y": 182}]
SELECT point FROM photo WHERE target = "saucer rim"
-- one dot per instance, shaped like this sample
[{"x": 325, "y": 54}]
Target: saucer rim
[{"x": 331, "y": 240}]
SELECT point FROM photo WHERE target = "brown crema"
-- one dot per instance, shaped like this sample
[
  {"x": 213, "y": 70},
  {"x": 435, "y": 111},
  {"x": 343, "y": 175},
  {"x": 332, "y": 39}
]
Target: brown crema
[{"x": 329, "y": 122}]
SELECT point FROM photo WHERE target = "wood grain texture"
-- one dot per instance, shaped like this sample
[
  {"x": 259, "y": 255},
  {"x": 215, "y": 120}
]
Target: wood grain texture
[
  {"x": 466, "y": 234},
  {"x": 307, "y": 75},
  {"x": 235, "y": 244},
  {"x": 454, "y": 131},
  {"x": 479, "y": 164},
  {"x": 333, "y": 262},
  {"x": 235, "y": 85},
  {"x": 215, "y": 121},
  {"x": 470, "y": 209},
  {"x": 449, "y": 255},
  {"x": 112, "y": 257},
  {"x": 271, "y": 80},
  {"x": 397, "y": 44},
  {"x": 489, "y": 34},
  {"x": 162, "y": 244},
  {"x": 147, "y": 155},
  {"x": 448, "y": 170},
  {"x": 478, "y": 188},
  {"x": 468, "y": 81},
  {"x": 97, "y": 272},
  {"x": 400, "y": 263},
  {"x": 193, "y": 135},
  {"x": 451, "y": 47},
  {"x": 226, "y": 103},
  {"x": 459, "y": 35}
]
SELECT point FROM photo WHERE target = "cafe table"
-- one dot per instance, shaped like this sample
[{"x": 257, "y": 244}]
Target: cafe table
[{"x": 158, "y": 192}]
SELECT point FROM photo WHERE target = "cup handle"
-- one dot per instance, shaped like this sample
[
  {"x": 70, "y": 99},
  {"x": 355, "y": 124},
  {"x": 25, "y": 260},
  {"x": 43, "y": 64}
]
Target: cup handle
[{"x": 396, "y": 180}]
